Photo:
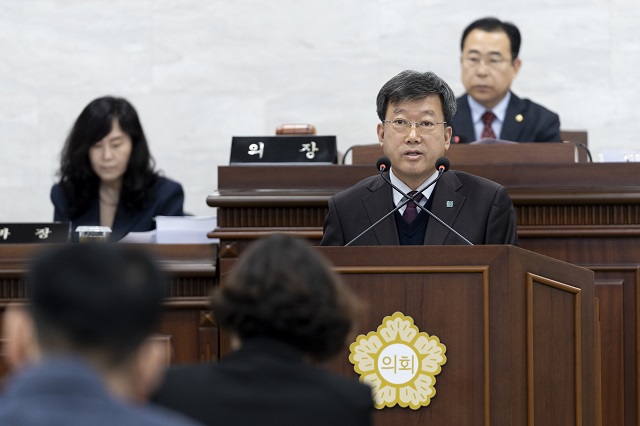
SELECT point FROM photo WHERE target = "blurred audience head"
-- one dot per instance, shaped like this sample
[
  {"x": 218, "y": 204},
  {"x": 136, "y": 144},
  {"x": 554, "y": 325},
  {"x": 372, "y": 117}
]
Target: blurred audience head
[
  {"x": 282, "y": 289},
  {"x": 95, "y": 301}
]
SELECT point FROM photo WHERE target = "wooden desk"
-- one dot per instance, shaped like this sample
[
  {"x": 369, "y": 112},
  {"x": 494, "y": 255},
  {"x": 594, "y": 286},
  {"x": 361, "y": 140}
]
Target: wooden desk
[
  {"x": 492, "y": 153},
  {"x": 587, "y": 214},
  {"x": 186, "y": 324}
]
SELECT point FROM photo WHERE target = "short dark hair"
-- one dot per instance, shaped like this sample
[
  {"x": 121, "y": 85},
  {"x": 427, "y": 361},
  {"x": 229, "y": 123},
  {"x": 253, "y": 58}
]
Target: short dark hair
[
  {"x": 94, "y": 298},
  {"x": 493, "y": 25},
  {"x": 79, "y": 181},
  {"x": 413, "y": 85},
  {"x": 283, "y": 289}
]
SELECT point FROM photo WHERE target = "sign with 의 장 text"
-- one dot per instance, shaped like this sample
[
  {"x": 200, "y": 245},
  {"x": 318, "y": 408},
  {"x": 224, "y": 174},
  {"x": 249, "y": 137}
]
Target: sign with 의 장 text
[
  {"x": 305, "y": 149},
  {"x": 399, "y": 362}
]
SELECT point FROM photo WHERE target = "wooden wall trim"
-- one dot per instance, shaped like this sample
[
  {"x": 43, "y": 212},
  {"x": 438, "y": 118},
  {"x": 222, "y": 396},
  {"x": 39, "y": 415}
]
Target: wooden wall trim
[{"x": 531, "y": 280}]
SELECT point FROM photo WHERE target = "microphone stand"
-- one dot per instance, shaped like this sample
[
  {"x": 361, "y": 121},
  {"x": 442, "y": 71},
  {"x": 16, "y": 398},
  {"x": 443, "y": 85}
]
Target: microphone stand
[
  {"x": 400, "y": 205},
  {"x": 423, "y": 207}
]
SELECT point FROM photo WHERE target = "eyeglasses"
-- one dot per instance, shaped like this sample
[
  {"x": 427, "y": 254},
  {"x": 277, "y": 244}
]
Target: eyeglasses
[
  {"x": 402, "y": 125},
  {"x": 495, "y": 62}
]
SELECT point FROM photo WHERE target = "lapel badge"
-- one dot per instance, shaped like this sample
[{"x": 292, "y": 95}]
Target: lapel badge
[
  {"x": 449, "y": 204},
  {"x": 519, "y": 118}
]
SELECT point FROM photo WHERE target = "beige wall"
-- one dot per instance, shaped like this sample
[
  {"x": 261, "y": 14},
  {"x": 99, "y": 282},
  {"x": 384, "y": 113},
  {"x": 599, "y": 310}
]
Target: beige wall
[{"x": 201, "y": 71}]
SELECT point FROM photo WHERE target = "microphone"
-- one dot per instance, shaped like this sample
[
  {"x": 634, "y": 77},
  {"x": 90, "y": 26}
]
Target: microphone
[
  {"x": 344, "y": 157},
  {"x": 583, "y": 146},
  {"x": 442, "y": 164},
  {"x": 383, "y": 164}
]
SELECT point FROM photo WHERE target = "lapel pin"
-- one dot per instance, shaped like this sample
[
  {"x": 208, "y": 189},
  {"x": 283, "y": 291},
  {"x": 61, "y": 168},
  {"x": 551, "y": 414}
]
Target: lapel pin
[
  {"x": 449, "y": 203},
  {"x": 519, "y": 118}
]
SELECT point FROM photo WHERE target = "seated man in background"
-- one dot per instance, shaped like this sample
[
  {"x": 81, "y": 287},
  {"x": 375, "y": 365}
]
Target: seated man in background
[
  {"x": 415, "y": 110},
  {"x": 79, "y": 348},
  {"x": 489, "y": 109},
  {"x": 286, "y": 309}
]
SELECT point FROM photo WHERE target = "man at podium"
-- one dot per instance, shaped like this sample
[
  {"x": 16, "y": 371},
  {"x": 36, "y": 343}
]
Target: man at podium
[{"x": 418, "y": 201}]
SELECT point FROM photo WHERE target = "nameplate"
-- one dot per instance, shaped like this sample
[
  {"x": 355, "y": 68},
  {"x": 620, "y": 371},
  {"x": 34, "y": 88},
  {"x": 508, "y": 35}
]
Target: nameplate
[
  {"x": 283, "y": 149},
  {"x": 27, "y": 233}
]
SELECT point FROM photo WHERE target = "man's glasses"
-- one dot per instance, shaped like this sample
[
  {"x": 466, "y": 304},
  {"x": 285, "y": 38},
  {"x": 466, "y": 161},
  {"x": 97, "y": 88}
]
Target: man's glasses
[{"x": 402, "y": 125}]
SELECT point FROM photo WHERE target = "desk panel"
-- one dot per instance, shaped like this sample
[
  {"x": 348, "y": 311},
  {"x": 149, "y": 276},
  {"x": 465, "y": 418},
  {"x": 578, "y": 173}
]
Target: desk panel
[{"x": 186, "y": 323}]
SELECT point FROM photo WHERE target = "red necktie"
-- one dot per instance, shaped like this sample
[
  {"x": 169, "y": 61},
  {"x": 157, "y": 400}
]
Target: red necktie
[
  {"x": 487, "y": 119},
  {"x": 411, "y": 212}
]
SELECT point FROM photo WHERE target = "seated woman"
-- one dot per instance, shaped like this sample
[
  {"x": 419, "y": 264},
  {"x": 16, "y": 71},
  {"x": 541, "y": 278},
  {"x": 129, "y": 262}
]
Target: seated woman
[
  {"x": 107, "y": 174},
  {"x": 287, "y": 310}
]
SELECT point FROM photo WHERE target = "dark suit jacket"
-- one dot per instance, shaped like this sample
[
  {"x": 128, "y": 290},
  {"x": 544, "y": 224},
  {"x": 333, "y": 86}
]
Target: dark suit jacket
[
  {"x": 265, "y": 383},
  {"x": 477, "y": 208},
  {"x": 167, "y": 199},
  {"x": 538, "y": 123}
]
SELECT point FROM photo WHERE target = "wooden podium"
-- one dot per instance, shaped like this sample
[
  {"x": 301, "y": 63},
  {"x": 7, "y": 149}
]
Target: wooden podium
[
  {"x": 587, "y": 214},
  {"x": 519, "y": 329}
]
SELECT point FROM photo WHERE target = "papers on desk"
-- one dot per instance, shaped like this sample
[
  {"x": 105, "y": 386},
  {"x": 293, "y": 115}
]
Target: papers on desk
[
  {"x": 185, "y": 229},
  {"x": 148, "y": 237},
  {"x": 620, "y": 156},
  {"x": 177, "y": 230}
]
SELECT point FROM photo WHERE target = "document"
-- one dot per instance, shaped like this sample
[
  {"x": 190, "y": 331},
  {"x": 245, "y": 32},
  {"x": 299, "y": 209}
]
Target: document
[{"x": 176, "y": 230}]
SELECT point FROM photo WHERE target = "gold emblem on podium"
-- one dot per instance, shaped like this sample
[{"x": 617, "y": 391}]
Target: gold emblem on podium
[{"x": 399, "y": 362}]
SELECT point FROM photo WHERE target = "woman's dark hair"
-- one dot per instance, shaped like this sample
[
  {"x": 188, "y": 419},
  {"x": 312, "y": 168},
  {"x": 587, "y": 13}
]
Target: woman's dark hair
[
  {"x": 283, "y": 289},
  {"x": 77, "y": 177}
]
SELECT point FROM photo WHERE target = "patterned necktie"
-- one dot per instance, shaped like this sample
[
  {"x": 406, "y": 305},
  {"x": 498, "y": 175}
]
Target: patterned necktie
[
  {"x": 411, "y": 212},
  {"x": 487, "y": 119}
]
